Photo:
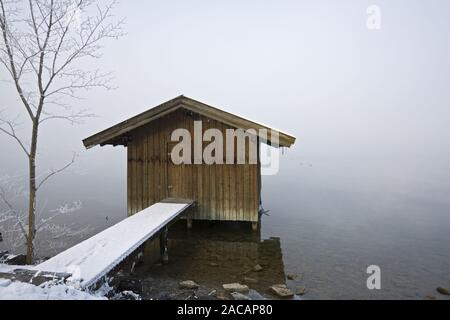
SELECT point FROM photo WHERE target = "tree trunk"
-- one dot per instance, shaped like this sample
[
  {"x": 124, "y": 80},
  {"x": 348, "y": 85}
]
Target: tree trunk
[{"x": 32, "y": 194}]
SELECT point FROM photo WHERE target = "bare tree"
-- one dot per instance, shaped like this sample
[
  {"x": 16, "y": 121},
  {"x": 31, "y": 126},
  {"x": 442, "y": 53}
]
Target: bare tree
[{"x": 42, "y": 45}]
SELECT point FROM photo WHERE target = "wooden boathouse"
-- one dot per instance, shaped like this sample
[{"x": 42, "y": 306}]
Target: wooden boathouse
[{"x": 224, "y": 192}]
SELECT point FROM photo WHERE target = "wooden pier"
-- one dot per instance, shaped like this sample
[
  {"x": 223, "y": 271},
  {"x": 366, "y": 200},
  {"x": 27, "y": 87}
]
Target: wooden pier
[{"x": 94, "y": 258}]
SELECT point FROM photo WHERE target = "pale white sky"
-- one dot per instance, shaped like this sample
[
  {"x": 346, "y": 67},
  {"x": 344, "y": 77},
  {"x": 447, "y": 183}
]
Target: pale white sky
[{"x": 311, "y": 68}]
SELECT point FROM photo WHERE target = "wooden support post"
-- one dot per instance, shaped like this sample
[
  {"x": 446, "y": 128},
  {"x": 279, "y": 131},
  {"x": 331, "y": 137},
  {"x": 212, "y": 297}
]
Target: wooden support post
[
  {"x": 189, "y": 223},
  {"x": 163, "y": 246},
  {"x": 255, "y": 226}
]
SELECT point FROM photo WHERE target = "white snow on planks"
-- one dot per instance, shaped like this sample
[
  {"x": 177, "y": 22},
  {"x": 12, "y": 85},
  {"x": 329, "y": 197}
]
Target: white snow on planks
[{"x": 93, "y": 258}]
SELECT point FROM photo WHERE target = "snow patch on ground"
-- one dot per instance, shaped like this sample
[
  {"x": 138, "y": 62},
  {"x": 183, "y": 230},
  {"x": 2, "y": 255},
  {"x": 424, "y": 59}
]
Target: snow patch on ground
[
  {"x": 14, "y": 290},
  {"x": 5, "y": 268},
  {"x": 26, "y": 291}
]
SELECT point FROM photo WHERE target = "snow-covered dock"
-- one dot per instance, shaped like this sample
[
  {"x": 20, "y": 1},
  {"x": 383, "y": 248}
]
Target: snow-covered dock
[{"x": 93, "y": 258}]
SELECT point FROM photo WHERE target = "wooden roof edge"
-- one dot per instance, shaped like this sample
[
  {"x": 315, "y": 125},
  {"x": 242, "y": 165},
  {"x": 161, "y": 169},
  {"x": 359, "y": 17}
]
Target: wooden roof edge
[
  {"x": 107, "y": 135},
  {"x": 128, "y": 125},
  {"x": 285, "y": 139}
]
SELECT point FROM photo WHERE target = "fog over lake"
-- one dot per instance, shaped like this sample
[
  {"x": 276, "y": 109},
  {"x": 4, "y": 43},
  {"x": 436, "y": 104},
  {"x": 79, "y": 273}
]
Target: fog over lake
[{"x": 368, "y": 179}]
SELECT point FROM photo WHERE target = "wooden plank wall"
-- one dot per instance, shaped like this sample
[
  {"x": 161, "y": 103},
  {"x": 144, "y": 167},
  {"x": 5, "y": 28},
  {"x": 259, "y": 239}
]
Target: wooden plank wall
[{"x": 223, "y": 192}]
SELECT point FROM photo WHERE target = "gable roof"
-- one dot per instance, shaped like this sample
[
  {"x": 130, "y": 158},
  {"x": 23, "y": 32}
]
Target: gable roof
[{"x": 114, "y": 133}]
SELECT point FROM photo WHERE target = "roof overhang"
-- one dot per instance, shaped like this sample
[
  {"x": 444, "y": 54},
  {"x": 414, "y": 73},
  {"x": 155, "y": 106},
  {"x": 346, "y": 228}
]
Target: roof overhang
[{"x": 119, "y": 134}]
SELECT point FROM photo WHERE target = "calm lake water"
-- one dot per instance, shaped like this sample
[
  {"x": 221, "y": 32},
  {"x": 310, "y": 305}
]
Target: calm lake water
[
  {"x": 338, "y": 216},
  {"x": 329, "y": 219}
]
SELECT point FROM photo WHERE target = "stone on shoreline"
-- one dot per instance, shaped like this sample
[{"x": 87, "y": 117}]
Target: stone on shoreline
[
  {"x": 239, "y": 296},
  {"x": 291, "y": 276},
  {"x": 221, "y": 296},
  {"x": 282, "y": 291},
  {"x": 443, "y": 291},
  {"x": 258, "y": 268},
  {"x": 236, "y": 287},
  {"x": 188, "y": 285},
  {"x": 213, "y": 293},
  {"x": 126, "y": 283},
  {"x": 250, "y": 280},
  {"x": 300, "y": 291}
]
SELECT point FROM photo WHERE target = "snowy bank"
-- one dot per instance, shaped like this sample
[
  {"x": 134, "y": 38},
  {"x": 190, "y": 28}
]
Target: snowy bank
[
  {"x": 5, "y": 268},
  {"x": 23, "y": 291},
  {"x": 15, "y": 290}
]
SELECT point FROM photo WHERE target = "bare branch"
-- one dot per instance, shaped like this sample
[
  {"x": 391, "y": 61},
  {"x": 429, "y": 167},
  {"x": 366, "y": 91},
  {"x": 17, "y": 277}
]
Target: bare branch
[
  {"x": 91, "y": 32},
  {"x": 12, "y": 133},
  {"x": 54, "y": 172},
  {"x": 35, "y": 27},
  {"x": 4, "y": 29},
  {"x": 73, "y": 118},
  {"x": 13, "y": 211}
]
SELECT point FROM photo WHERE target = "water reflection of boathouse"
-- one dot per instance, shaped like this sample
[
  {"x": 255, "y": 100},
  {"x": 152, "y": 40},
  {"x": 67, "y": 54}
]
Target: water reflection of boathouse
[{"x": 213, "y": 254}]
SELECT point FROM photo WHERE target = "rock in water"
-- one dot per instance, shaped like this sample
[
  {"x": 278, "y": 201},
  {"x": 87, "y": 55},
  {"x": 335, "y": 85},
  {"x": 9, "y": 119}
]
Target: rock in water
[
  {"x": 443, "y": 291},
  {"x": 282, "y": 291},
  {"x": 258, "y": 268},
  {"x": 128, "y": 295},
  {"x": 300, "y": 291},
  {"x": 239, "y": 296},
  {"x": 221, "y": 296},
  {"x": 249, "y": 280},
  {"x": 190, "y": 285},
  {"x": 236, "y": 287},
  {"x": 213, "y": 293},
  {"x": 291, "y": 276},
  {"x": 128, "y": 284}
]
